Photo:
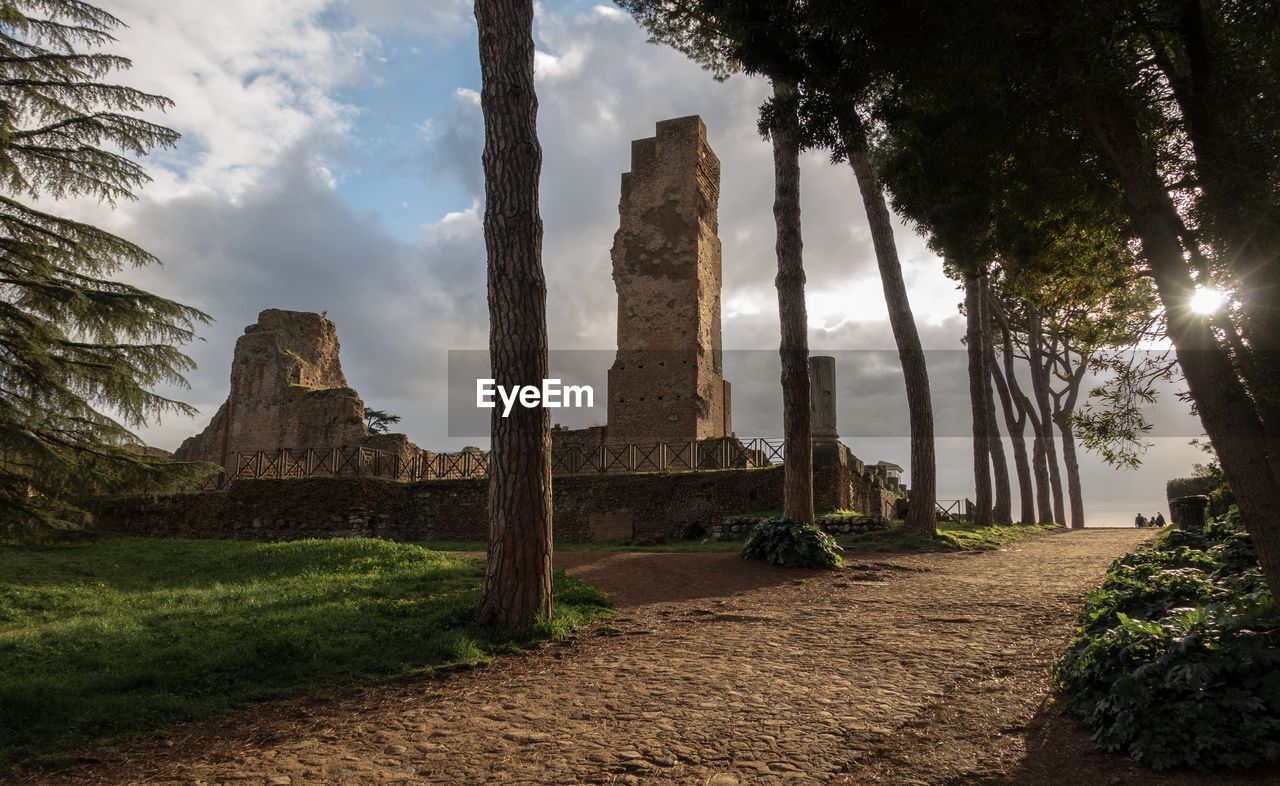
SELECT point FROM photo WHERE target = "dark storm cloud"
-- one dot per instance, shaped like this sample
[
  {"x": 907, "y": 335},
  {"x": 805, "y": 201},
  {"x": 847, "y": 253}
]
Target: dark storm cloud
[
  {"x": 453, "y": 145},
  {"x": 294, "y": 244}
]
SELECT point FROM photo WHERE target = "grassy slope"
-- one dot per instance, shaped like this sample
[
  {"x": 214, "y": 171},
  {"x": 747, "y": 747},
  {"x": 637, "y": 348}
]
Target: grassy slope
[
  {"x": 127, "y": 635},
  {"x": 952, "y": 536}
]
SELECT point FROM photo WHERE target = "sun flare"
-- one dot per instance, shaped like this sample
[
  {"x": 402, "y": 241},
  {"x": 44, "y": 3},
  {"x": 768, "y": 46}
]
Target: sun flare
[{"x": 1207, "y": 300}]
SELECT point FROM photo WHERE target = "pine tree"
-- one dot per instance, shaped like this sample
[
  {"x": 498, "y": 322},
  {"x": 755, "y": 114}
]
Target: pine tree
[
  {"x": 79, "y": 352},
  {"x": 517, "y": 585},
  {"x": 770, "y": 39},
  {"x": 379, "y": 421}
]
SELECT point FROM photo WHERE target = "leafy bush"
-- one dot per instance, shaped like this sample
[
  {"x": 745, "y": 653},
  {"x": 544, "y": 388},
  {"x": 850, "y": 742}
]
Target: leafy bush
[
  {"x": 1185, "y": 487},
  {"x": 791, "y": 544},
  {"x": 1177, "y": 659}
]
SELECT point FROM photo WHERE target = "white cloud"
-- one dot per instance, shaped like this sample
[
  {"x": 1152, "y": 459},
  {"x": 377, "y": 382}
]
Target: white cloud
[
  {"x": 249, "y": 80},
  {"x": 455, "y": 225},
  {"x": 601, "y": 85},
  {"x": 547, "y": 67},
  {"x": 246, "y": 216}
]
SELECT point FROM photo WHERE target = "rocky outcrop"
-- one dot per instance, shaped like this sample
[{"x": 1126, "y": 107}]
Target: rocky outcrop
[{"x": 287, "y": 391}]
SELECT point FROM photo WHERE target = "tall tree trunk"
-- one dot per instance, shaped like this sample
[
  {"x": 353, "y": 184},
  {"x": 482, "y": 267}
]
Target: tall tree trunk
[
  {"x": 1015, "y": 423},
  {"x": 517, "y": 587},
  {"x": 1003, "y": 513},
  {"x": 1017, "y": 437},
  {"x": 1016, "y": 413},
  {"x": 922, "y": 512},
  {"x": 1040, "y": 389},
  {"x": 1040, "y": 471},
  {"x": 794, "y": 347},
  {"x": 1002, "y": 507},
  {"x": 978, "y": 401},
  {"x": 1226, "y": 411},
  {"x": 1235, "y": 190},
  {"x": 1064, "y": 404},
  {"x": 1074, "y": 489},
  {"x": 1039, "y": 463}
]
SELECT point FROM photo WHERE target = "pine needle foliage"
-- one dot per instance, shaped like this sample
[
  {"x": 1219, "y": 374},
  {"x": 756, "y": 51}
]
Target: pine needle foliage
[{"x": 80, "y": 353}]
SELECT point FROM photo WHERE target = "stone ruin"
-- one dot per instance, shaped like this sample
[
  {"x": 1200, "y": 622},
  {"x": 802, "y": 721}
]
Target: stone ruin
[
  {"x": 667, "y": 383},
  {"x": 841, "y": 479},
  {"x": 287, "y": 391}
]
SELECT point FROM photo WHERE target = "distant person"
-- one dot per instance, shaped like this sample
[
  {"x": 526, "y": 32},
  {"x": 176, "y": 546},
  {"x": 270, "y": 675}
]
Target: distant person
[
  {"x": 1159, "y": 522},
  {"x": 1140, "y": 521}
]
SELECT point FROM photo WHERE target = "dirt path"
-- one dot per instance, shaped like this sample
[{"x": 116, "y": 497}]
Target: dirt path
[{"x": 926, "y": 669}]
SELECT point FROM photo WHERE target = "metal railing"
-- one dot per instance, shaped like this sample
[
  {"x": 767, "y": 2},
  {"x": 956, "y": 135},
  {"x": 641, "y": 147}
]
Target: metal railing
[
  {"x": 955, "y": 509},
  {"x": 668, "y": 456},
  {"x": 713, "y": 454}
]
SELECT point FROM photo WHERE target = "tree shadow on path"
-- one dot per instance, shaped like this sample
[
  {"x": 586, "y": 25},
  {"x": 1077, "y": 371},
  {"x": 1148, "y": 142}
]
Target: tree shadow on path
[
  {"x": 640, "y": 579},
  {"x": 1059, "y": 750}
]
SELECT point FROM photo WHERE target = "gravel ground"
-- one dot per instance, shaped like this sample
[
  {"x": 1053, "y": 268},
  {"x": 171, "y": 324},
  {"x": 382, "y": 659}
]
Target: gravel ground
[{"x": 905, "y": 669}]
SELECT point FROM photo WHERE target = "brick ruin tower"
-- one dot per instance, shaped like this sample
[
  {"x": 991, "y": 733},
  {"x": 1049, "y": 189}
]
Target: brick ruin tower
[{"x": 667, "y": 382}]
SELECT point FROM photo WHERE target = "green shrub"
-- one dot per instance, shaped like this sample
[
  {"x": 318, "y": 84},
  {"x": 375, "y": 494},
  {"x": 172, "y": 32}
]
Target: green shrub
[
  {"x": 791, "y": 544},
  {"x": 1186, "y": 487},
  {"x": 1177, "y": 659}
]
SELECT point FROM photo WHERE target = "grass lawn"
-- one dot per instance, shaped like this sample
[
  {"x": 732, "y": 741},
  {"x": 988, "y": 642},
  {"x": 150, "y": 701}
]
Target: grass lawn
[
  {"x": 682, "y": 546},
  {"x": 126, "y": 635},
  {"x": 952, "y": 536}
]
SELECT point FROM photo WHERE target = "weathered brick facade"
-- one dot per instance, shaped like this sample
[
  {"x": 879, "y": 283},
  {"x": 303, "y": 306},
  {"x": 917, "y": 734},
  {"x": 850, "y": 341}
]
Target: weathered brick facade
[
  {"x": 667, "y": 382},
  {"x": 641, "y": 506}
]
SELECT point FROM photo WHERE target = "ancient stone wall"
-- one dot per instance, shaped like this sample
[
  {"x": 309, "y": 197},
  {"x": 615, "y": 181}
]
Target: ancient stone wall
[
  {"x": 641, "y": 506},
  {"x": 579, "y": 439},
  {"x": 833, "y": 478},
  {"x": 667, "y": 383},
  {"x": 262, "y": 510},
  {"x": 841, "y": 481}
]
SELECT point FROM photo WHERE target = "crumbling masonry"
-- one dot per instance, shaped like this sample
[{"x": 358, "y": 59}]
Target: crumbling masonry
[
  {"x": 667, "y": 383},
  {"x": 287, "y": 391}
]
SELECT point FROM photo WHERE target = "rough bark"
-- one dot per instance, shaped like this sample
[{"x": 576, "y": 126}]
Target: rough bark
[
  {"x": 794, "y": 346},
  {"x": 1037, "y": 356},
  {"x": 978, "y": 401},
  {"x": 922, "y": 513},
  {"x": 1075, "y": 491},
  {"x": 1064, "y": 403},
  {"x": 1035, "y": 507},
  {"x": 1015, "y": 421},
  {"x": 1040, "y": 471},
  {"x": 1226, "y": 411},
  {"x": 517, "y": 588},
  {"x": 1003, "y": 504},
  {"x": 1039, "y": 462},
  {"x": 1017, "y": 437},
  {"x": 1234, "y": 188}
]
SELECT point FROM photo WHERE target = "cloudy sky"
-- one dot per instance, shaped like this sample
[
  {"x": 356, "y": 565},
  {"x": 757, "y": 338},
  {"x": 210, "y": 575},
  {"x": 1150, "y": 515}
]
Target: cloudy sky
[{"x": 330, "y": 161}]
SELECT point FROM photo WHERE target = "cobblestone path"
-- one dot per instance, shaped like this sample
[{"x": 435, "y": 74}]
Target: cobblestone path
[{"x": 910, "y": 669}]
